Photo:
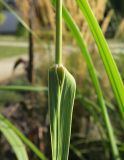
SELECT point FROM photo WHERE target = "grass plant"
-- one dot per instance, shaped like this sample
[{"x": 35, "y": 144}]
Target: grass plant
[
  {"x": 77, "y": 36},
  {"x": 62, "y": 88},
  {"x": 62, "y": 85},
  {"x": 105, "y": 53}
]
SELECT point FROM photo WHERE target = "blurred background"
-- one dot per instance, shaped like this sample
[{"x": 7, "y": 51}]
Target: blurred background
[{"x": 27, "y": 51}]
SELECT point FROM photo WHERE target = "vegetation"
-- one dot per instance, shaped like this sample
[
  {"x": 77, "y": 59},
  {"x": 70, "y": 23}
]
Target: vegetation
[
  {"x": 91, "y": 104},
  {"x": 9, "y": 51}
]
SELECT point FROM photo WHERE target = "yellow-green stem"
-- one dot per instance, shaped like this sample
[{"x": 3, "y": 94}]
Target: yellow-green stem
[{"x": 58, "y": 56}]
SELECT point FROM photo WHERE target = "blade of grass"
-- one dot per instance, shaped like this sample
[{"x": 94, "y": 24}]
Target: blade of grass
[
  {"x": 78, "y": 37},
  {"x": 37, "y": 152},
  {"x": 105, "y": 53},
  {"x": 14, "y": 141},
  {"x": 24, "y": 88}
]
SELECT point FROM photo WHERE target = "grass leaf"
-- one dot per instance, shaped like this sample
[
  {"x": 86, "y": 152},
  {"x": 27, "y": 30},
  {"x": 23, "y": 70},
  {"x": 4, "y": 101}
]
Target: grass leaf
[
  {"x": 105, "y": 53},
  {"x": 62, "y": 90},
  {"x": 37, "y": 152},
  {"x": 14, "y": 141}
]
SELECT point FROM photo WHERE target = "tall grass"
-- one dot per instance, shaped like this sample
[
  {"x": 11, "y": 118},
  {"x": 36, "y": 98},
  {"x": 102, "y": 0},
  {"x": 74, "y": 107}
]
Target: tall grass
[
  {"x": 77, "y": 35},
  {"x": 62, "y": 85},
  {"x": 105, "y": 53},
  {"x": 62, "y": 88}
]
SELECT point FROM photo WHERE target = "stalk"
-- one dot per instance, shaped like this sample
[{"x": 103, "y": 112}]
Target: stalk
[
  {"x": 58, "y": 55},
  {"x": 62, "y": 89}
]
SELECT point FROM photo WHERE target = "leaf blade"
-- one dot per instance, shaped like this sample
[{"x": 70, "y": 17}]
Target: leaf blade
[
  {"x": 105, "y": 53},
  {"x": 61, "y": 100},
  {"x": 39, "y": 154},
  {"x": 14, "y": 141}
]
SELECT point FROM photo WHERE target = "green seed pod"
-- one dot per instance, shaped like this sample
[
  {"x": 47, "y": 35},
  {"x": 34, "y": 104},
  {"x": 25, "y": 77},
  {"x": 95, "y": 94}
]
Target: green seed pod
[{"x": 62, "y": 88}]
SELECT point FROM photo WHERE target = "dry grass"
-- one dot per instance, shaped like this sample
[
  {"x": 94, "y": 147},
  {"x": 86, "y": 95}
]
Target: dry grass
[{"x": 44, "y": 12}]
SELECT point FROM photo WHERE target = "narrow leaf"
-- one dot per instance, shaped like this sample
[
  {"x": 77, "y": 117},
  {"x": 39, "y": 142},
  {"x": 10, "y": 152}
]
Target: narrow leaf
[
  {"x": 14, "y": 141},
  {"x": 105, "y": 53},
  {"x": 37, "y": 152}
]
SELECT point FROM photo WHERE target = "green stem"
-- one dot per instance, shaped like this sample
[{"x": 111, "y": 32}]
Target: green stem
[{"x": 58, "y": 56}]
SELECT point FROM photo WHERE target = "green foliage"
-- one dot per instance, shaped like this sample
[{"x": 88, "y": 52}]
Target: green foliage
[
  {"x": 22, "y": 137},
  {"x": 77, "y": 35},
  {"x": 62, "y": 86},
  {"x": 14, "y": 140},
  {"x": 105, "y": 53},
  {"x": 62, "y": 89}
]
